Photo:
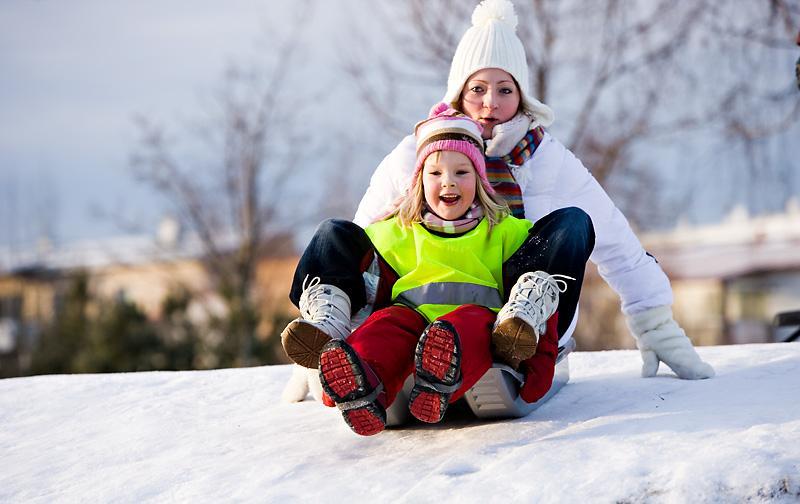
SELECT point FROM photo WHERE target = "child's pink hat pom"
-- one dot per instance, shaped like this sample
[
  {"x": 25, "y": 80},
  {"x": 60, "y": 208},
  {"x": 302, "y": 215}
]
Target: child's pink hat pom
[{"x": 439, "y": 108}]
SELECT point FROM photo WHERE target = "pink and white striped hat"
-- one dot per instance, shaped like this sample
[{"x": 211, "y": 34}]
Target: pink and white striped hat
[{"x": 447, "y": 129}]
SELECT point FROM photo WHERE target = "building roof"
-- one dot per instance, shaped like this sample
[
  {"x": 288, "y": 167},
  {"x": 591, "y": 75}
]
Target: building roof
[
  {"x": 98, "y": 253},
  {"x": 737, "y": 246}
]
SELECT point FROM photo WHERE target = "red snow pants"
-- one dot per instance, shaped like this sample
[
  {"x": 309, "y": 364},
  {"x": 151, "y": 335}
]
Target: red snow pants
[{"x": 386, "y": 341}]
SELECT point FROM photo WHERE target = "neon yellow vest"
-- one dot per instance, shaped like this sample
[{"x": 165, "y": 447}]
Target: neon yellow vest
[{"x": 438, "y": 274}]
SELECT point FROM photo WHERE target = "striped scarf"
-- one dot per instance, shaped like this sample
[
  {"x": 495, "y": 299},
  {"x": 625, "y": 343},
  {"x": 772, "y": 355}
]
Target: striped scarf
[
  {"x": 498, "y": 170},
  {"x": 466, "y": 223}
]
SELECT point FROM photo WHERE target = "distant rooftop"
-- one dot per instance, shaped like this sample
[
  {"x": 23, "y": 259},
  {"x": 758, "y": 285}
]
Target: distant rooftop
[
  {"x": 738, "y": 245},
  {"x": 167, "y": 244}
]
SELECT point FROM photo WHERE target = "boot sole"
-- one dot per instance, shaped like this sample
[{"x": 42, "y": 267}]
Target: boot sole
[
  {"x": 344, "y": 379},
  {"x": 437, "y": 361},
  {"x": 427, "y": 406},
  {"x": 513, "y": 341},
  {"x": 303, "y": 343}
]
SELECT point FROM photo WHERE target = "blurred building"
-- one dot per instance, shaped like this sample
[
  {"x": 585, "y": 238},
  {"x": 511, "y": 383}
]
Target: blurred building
[
  {"x": 143, "y": 270},
  {"x": 730, "y": 280}
]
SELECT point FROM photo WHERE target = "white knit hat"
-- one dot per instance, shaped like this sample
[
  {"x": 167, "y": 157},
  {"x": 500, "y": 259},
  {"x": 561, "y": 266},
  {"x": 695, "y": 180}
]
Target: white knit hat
[{"x": 492, "y": 42}]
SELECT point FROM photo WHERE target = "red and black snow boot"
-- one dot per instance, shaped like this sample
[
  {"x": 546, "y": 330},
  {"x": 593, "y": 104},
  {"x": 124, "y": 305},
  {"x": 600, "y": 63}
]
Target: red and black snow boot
[
  {"x": 437, "y": 371},
  {"x": 354, "y": 387}
]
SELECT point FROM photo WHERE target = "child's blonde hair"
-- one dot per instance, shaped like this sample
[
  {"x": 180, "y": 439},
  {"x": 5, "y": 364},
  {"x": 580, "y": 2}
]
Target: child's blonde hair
[{"x": 412, "y": 205}]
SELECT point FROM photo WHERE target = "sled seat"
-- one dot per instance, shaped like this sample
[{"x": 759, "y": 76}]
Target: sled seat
[{"x": 496, "y": 394}]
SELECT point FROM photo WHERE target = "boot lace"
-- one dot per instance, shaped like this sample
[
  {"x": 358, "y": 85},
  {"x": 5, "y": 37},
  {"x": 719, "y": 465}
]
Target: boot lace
[
  {"x": 537, "y": 296},
  {"x": 317, "y": 306}
]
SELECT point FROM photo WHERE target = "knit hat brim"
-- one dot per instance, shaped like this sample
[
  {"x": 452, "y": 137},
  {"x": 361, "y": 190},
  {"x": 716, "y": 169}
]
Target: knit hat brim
[
  {"x": 462, "y": 146},
  {"x": 448, "y": 130}
]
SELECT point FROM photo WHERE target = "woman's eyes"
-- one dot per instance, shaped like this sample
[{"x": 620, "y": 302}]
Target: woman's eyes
[{"x": 481, "y": 89}]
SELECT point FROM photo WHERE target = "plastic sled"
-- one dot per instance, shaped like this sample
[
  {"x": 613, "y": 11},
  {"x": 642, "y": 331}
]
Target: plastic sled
[{"x": 496, "y": 394}]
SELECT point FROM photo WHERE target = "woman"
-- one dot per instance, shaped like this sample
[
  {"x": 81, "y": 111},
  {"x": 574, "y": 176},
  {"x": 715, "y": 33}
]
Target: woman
[
  {"x": 540, "y": 179},
  {"x": 544, "y": 182}
]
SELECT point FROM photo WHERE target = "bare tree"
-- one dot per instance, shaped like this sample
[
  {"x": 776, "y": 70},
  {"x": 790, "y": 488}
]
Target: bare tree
[
  {"x": 232, "y": 197},
  {"x": 762, "y": 104}
]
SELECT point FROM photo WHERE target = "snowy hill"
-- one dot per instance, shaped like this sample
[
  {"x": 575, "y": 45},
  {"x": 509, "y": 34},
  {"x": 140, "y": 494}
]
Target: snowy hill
[{"x": 222, "y": 436}]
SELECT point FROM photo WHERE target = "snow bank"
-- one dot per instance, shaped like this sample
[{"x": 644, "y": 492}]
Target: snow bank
[{"x": 608, "y": 436}]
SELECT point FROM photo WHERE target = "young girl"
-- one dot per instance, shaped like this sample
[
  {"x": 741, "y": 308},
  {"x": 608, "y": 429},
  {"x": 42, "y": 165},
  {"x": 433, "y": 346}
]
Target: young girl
[{"x": 444, "y": 248}]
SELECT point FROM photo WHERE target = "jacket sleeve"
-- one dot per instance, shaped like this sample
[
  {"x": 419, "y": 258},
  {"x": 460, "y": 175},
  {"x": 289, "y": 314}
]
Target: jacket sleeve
[
  {"x": 388, "y": 184},
  {"x": 620, "y": 258}
]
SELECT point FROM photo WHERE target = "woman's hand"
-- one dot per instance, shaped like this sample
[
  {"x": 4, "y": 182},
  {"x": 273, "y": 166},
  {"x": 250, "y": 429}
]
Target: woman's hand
[{"x": 661, "y": 339}]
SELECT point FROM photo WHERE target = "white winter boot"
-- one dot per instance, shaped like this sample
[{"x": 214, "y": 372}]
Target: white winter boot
[
  {"x": 532, "y": 301},
  {"x": 324, "y": 315}
]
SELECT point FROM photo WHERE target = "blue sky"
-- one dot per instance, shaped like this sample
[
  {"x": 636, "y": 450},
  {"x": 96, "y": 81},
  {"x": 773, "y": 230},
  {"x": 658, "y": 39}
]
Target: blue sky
[{"x": 74, "y": 76}]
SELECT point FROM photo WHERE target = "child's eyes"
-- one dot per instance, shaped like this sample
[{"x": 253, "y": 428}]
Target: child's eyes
[
  {"x": 462, "y": 172},
  {"x": 435, "y": 173}
]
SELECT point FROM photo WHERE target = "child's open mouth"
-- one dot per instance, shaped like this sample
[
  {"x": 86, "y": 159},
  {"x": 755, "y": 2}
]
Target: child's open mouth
[{"x": 449, "y": 199}]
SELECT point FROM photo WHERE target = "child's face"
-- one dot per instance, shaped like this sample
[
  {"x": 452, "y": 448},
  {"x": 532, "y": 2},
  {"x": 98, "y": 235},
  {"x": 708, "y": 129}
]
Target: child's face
[
  {"x": 491, "y": 97},
  {"x": 449, "y": 181}
]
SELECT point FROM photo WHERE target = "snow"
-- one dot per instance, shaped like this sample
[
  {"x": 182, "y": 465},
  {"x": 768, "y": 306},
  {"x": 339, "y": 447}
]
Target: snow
[{"x": 224, "y": 435}]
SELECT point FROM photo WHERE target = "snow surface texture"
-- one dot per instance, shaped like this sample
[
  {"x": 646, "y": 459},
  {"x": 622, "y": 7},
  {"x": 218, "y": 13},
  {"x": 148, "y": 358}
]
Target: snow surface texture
[{"x": 224, "y": 436}]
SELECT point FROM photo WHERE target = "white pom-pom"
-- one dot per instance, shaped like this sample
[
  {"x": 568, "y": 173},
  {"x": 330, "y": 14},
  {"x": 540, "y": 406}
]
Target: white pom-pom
[{"x": 491, "y": 10}]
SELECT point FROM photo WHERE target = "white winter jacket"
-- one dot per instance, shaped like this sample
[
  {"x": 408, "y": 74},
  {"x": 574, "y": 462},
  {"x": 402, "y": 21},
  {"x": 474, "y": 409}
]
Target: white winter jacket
[{"x": 552, "y": 178}]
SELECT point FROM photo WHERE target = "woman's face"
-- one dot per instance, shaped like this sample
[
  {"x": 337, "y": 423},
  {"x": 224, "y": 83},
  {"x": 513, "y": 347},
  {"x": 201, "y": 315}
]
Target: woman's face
[
  {"x": 491, "y": 97},
  {"x": 449, "y": 181}
]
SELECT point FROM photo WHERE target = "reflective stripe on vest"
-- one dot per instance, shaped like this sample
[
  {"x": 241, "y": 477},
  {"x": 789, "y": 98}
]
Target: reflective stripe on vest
[{"x": 451, "y": 293}]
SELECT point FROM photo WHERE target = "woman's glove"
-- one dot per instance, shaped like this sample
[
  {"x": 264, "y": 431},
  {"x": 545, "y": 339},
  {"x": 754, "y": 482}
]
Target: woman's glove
[
  {"x": 303, "y": 381},
  {"x": 660, "y": 338}
]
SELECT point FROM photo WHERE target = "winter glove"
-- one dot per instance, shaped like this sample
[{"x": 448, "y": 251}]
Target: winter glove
[
  {"x": 540, "y": 368},
  {"x": 660, "y": 338},
  {"x": 296, "y": 388},
  {"x": 303, "y": 381}
]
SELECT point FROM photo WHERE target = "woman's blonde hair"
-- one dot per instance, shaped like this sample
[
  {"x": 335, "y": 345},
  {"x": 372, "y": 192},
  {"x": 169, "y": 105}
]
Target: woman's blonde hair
[{"x": 412, "y": 206}]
